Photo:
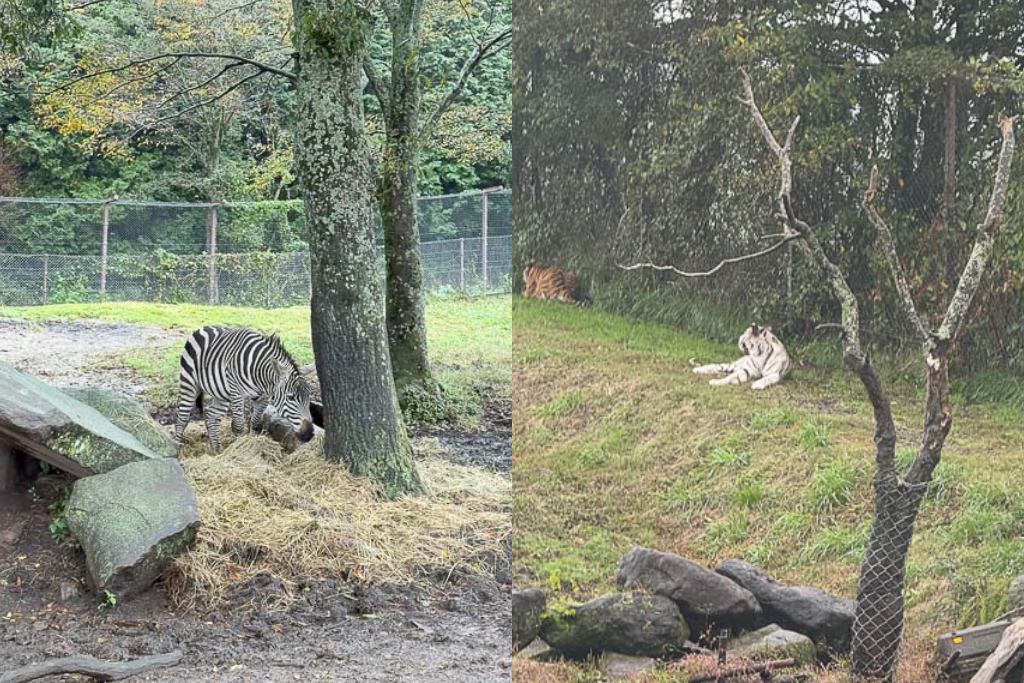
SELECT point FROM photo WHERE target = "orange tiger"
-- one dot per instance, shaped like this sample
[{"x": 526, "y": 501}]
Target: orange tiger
[{"x": 552, "y": 283}]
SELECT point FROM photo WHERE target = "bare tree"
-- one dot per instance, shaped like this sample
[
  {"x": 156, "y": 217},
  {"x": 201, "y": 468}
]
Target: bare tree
[{"x": 878, "y": 624}]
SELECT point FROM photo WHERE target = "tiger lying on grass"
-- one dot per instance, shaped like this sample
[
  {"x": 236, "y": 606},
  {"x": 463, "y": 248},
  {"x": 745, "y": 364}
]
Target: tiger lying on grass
[
  {"x": 766, "y": 361},
  {"x": 552, "y": 283}
]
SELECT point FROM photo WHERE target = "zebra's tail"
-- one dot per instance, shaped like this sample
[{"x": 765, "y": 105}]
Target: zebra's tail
[{"x": 199, "y": 402}]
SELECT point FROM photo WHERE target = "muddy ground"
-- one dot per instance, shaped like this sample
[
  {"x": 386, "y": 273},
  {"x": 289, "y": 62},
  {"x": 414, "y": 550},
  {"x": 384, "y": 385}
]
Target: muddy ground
[{"x": 452, "y": 629}]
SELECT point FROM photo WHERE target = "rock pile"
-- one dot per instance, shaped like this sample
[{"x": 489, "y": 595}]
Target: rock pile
[
  {"x": 666, "y": 599},
  {"x": 131, "y": 508}
]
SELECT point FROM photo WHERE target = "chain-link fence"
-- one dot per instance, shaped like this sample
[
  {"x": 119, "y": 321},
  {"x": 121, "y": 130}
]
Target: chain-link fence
[{"x": 246, "y": 253}]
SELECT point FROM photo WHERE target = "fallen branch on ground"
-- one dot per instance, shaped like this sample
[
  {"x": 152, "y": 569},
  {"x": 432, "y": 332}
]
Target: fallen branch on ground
[
  {"x": 747, "y": 670},
  {"x": 90, "y": 666}
]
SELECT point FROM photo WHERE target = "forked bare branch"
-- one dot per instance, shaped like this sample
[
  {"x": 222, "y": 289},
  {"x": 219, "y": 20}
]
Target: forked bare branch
[{"x": 970, "y": 280}]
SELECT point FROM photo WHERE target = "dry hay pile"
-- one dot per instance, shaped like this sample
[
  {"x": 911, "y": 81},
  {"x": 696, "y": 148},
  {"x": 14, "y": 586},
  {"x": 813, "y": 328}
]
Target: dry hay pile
[{"x": 297, "y": 515}]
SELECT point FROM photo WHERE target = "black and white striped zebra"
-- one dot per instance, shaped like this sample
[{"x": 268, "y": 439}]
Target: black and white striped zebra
[{"x": 235, "y": 366}]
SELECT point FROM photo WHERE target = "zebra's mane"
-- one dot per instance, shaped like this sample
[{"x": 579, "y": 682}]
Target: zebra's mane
[{"x": 275, "y": 342}]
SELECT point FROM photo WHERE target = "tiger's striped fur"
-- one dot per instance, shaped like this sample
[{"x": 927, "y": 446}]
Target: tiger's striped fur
[
  {"x": 552, "y": 283},
  {"x": 236, "y": 366},
  {"x": 766, "y": 361}
]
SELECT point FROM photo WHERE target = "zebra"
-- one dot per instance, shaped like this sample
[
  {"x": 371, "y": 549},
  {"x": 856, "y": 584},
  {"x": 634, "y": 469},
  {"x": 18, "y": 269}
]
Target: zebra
[{"x": 235, "y": 365}]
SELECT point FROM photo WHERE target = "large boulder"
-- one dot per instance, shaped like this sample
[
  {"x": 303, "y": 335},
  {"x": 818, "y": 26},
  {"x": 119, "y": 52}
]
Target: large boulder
[
  {"x": 706, "y": 599},
  {"x": 131, "y": 416},
  {"x": 132, "y": 523},
  {"x": 51, "y": 426},
  {"x": 527, "y": 606},
  {"x": 773, "y": 642},
  {"x": 632, "y": 624},
  {"x": 825, "y": 618}
]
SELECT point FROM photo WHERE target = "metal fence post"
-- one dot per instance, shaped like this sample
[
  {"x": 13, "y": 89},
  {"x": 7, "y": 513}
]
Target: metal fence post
[
  {"x": 104, "y": 240},
  {"x": 462, "y": 264},
  {"x": 46, "y": 277},
  {"x": 483, "y": 235},
  {"x": 211, "y": 251}
]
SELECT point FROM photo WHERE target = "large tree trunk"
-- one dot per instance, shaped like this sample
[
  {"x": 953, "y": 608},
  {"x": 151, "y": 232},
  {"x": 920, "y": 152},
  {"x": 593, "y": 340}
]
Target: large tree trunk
[
  {"x": 406, "y": 323},
  {"x": 878, "y": 622},
  {"x": 362, "y": 421}
]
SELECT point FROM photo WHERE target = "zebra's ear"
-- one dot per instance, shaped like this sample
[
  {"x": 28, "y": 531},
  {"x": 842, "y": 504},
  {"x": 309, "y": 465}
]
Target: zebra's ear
[{"x": 281, "y": 367}]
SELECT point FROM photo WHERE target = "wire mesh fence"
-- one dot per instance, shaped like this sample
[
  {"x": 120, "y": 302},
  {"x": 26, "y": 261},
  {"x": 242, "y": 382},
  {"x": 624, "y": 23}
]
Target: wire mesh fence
[{"x": 252, "y": 254}]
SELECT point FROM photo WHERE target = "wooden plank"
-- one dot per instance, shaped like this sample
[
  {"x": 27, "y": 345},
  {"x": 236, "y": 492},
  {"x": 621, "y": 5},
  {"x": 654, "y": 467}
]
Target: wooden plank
[{"x": 41, "y": 452}]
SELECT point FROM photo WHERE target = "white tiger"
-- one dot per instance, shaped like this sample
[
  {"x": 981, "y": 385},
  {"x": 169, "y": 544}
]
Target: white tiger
[{"x": 766, "y": 361}]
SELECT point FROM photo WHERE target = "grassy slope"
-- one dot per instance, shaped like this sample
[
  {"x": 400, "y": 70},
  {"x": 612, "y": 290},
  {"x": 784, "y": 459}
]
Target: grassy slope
[
  {"x": 617, "y": 443},
  {"x": 468, "y": 337}
]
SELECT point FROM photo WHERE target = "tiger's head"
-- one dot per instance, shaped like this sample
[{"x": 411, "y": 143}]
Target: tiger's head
[
  {"x": 528, "y": 269},
  {"x": 756, "y": 340}
]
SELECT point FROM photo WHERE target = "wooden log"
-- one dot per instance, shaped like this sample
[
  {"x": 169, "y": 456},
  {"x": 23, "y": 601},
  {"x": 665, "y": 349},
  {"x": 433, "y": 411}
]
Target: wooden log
[
  {"x": 90, "y": 666},
  {"x": 1007, "y": 655},
  {"x": 280, "y": 430},
  {"x": 763, "y": 667}
]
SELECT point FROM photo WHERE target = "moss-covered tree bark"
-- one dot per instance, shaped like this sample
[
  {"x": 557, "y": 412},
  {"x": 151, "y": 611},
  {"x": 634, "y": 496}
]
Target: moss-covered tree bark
[
  {"x": 362, "y": 420},
  {"x": 406, "y": 323}
]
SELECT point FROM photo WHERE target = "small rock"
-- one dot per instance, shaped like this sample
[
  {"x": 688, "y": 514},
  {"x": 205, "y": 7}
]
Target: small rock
[
  {"x": 633, "y": 624},
  {"x": 68, "y": 590},
  {"x": 538, "y": 651},
  {"x": 774, "y": 642},
  {"x": 1015, "y": 596},
  {"x": 706, "y": 599},
  {"x": 527, "y": 607},
  {"x": 619, "y": 667},
  {"x": 827, "y": 619}
]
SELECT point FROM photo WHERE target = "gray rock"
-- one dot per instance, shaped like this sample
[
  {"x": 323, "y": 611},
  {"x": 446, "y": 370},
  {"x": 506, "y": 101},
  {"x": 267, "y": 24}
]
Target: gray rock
[
  {"x": 774, "y": 642},
  {"x": 132, "y": 523},
  {"x": 620, "y": 667},
  {"x": 539, "y": 651},
  {"x": 632, "y": 624},
  {"x": 527, "y": 606},
  {"x": 706, "y": 599},
  {"x": 823, "y": 617},
  {"x": 129, "y": 415},
  {"x": 1015, "y": 596},
  {"x": 64, "y": 432}
]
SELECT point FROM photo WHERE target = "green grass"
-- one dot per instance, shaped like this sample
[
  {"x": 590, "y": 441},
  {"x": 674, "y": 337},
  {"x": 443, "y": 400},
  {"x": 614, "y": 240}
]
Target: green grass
[
  {"x": 469, "y": 341},
  {"x": 617, "y": 443}
]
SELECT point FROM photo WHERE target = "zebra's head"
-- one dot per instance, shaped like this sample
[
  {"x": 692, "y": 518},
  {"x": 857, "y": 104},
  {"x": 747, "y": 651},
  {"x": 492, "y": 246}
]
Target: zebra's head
[{"x": 291, "y": 399}]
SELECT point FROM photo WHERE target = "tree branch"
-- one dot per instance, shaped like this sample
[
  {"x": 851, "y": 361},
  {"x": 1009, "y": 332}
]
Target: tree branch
[
  {"x": 853, "y": 353},
  {"x": 970, "y": 280},
  {"x": 377, "y": 83},
  {"x": 198, "y": 105},
  {"x": 90, "y": 666},
  {"x": 173, "y": 55},
  {"x": 480, "y": 53},
  {"x": 899, "y": 275},
  {"x": 721, "y": 264}
]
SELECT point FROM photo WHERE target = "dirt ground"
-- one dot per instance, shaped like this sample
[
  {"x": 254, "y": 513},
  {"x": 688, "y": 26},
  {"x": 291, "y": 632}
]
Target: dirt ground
[{"x": 454, "y": 628}]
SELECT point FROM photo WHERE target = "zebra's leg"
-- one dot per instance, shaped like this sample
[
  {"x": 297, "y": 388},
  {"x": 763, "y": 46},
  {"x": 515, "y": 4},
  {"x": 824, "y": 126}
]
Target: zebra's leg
[
  {"x": 767, "y": 381},
  {"x": 740, "y": 376},
  {"x": 259, "y": 406},
  {"x": 238, "y": 414},
  {"x": 187, "y": 393},
  {"x": 713, "y": 369},
  {"x": 214, "y": 414}
]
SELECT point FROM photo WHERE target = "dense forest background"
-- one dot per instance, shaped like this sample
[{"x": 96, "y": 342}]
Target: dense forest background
[
  {"x": 167, "y": 130},
  {"x": 630, "y": 146}
]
